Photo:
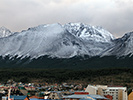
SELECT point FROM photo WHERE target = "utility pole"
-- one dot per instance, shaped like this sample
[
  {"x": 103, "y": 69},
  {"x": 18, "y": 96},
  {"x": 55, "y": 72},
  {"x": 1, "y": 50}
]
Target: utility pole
[{"x": 9, "y": 92}]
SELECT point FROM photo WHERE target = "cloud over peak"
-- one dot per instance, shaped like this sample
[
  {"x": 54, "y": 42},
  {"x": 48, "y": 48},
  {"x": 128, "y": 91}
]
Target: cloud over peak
[{"x": 114, "y": 15}]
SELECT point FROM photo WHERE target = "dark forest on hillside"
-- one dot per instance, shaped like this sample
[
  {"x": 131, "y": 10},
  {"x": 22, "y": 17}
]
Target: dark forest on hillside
[
  {"x": 106, "y": 70},
  {"x": 71, "y": 63},
  {"x": 121, "y": 76}
]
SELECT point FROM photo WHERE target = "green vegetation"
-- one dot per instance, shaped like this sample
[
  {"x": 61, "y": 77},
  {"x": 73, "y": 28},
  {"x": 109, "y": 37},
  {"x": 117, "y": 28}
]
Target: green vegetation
[{"x": 118, "y": 76}]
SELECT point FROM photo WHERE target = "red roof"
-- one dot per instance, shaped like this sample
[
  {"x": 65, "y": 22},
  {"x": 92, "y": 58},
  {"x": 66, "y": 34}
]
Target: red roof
[{"x": 109, "y": 97}]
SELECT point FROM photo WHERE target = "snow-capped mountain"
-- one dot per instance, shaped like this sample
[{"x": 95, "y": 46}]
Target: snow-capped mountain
[
  {"x": 4, "y": 32},
  {"x": 123, "y": 46},
  {"x": 87, "y": 32},
  {"x": 56, "y": 40}
]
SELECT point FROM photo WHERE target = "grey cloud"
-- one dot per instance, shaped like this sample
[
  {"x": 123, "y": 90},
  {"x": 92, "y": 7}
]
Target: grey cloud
[
  {"x": 118, "y": 22},
  {"x": 21, "y": 14}
]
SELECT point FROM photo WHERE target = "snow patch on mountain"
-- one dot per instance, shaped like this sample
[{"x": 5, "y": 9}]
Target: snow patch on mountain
[
  {"x": 4, "y": 32},
  {"x": 87, "y": 32},
  {"x": 123, "y": 46}
]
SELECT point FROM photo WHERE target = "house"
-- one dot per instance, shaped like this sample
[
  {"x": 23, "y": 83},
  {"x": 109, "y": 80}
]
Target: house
[
  {"x": 27, "y": 98},
  {"x": 81, "y": 92},
  {"x": 130, "y": 96},
  {"x": 33, "y": 97},
  {"x": 23, "y": 90},
  {"x": 55, "y": 95},
  {"x": 14, "y": 97},
  {"x": 36, "y": 98},
  {"x": 30, "y": 88}
]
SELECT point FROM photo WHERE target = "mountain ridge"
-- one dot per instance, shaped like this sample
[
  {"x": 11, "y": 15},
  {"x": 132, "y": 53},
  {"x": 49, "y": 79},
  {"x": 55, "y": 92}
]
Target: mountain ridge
[
  {"x": 4, "y": 32},
  {"x": 64, "y": 41}
]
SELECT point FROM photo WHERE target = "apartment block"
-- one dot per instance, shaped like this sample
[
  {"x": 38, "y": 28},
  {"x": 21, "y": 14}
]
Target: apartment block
[{"x": 117, "y": 92}]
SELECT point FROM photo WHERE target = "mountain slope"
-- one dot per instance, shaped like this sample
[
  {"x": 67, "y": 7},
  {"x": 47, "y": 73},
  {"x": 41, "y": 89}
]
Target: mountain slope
[
  {"x": 123, "y": 46},
  {"x": 56, "y": 40}
]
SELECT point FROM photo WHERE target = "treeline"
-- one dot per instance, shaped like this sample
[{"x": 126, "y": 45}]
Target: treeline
[
  {"x": 72, "y": 63},
  {"x": 118, "y": 76}
]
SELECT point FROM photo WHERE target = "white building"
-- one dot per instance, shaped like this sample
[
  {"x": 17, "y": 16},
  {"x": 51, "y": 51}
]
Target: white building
[{"x": 118, "y": 93}]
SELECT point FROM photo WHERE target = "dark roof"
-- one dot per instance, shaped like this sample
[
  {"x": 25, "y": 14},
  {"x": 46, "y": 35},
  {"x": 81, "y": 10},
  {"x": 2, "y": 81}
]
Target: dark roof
[
  {"x": 18, "y": 97},
  {"x": 36, "y": 99}
]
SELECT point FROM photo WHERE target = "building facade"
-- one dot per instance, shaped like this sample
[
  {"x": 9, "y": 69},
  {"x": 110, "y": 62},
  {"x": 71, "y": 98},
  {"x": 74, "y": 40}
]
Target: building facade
[{"x": 118, "y": 93}]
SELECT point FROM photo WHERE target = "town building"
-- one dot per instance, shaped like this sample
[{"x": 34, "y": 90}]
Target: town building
[
  {"x": 55, "y": 95},
  {"x": 117, "y": 92},
  {"x": 130, "y": 96},
  {"x": 109, "y": 97}
]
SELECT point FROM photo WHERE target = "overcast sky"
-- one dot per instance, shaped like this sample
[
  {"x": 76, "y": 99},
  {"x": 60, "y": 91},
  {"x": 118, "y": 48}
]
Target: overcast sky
[{"x": 115, "y": 16}]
